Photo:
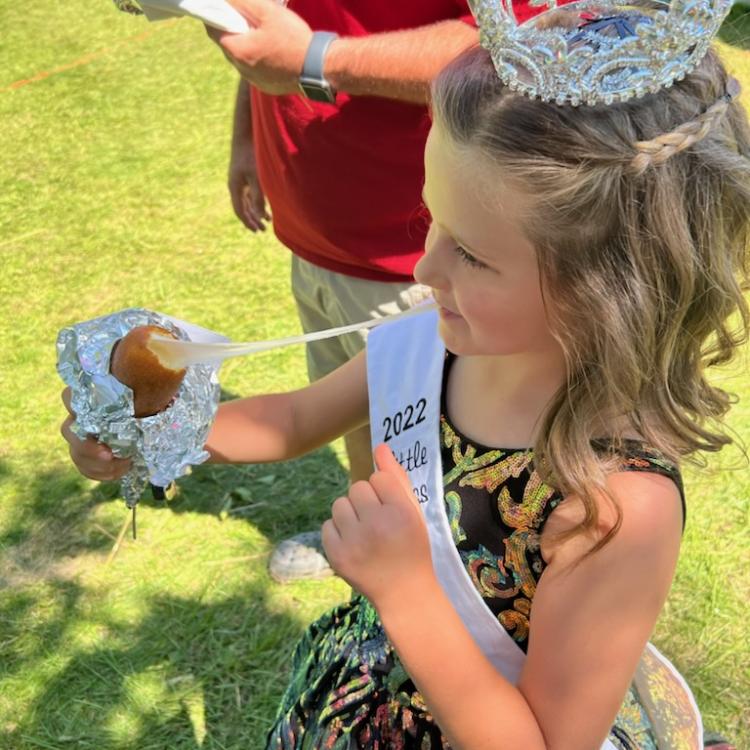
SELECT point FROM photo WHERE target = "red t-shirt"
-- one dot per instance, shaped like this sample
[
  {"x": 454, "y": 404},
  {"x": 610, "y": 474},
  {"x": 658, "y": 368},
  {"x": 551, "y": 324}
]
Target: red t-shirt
[{"x": 344, "y": 180}]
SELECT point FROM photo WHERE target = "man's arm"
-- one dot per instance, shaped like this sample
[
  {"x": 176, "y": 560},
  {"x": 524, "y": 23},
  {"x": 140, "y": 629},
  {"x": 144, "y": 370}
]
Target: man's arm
[
  {"x": 248, "y": 200},
  {"x": 395, "y": 64},
  {"x": 242, "y": 127}
]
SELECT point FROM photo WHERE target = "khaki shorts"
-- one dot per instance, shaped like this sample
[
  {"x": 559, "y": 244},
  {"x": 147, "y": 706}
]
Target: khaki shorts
[{"x": 326, "y": 299}]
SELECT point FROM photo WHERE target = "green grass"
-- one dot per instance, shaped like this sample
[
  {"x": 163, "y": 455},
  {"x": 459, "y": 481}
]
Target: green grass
[{"x": 112, "y": 195}]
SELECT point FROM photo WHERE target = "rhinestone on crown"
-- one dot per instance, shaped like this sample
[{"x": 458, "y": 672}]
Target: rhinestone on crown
[{"x": 594, "y": 51}]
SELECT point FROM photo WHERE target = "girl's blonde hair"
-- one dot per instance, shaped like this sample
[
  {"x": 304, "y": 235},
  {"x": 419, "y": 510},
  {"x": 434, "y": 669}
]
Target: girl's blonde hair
[{"x": 642, "y": 230}]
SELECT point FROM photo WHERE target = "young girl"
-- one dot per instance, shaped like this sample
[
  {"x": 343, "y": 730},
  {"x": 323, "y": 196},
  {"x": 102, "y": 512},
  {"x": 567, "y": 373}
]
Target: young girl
[{"x": 511, "y": 569}]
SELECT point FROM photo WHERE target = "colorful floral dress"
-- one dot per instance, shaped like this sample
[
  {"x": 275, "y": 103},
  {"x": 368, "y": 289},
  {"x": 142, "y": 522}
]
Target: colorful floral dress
[{"x": 348, "y": 689}]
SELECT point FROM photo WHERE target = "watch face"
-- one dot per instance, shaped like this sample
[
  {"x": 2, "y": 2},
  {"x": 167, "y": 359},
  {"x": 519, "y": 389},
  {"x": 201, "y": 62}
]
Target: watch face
[{"x": 317, "y": 90}]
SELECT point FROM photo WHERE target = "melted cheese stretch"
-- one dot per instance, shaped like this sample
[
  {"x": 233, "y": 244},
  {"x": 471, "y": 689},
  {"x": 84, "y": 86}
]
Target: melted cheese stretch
[{"x": 176, "y": 354}]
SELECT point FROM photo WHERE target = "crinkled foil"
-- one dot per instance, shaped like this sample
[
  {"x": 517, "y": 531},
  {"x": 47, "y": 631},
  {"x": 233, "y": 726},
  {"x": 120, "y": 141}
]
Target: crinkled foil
[{"x": 162, "y": 446}]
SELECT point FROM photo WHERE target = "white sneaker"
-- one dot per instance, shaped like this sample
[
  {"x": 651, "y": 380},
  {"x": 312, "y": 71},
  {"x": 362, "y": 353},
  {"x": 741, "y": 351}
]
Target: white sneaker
[{"x": 299, "y": 558}]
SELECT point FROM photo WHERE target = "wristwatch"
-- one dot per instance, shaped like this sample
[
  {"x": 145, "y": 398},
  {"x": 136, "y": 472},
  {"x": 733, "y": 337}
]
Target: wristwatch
[{"x": 312, "y": 82}]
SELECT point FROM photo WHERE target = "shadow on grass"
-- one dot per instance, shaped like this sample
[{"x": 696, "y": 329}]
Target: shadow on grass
[
  {"x": 278, "y": 499},
  {"x": 186, "y": 675},
  {"x": 50, "y": 524},
  {"x": 736, "y": 28},
  {"x": 46, "y": 525},
  {"x": 171, "y": 673}
]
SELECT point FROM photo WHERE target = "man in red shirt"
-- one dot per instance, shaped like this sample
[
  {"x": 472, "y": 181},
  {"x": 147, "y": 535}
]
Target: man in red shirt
[{"x": 331, "y": 131}]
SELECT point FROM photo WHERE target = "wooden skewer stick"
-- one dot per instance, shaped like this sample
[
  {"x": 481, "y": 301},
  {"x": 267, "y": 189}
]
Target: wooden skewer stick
[{"x": 119, "y": 539}]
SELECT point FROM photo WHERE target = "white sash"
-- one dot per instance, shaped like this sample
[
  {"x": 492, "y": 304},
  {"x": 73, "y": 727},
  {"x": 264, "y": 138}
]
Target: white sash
[{"x": 404, "y": 370}]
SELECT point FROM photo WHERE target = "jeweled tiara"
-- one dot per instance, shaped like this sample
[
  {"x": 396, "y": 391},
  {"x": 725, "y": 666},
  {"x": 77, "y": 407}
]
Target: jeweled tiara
[{"x": 597, "y": 50}]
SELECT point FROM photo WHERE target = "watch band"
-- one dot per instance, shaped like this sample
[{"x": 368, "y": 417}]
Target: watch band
[{"x": 312, "y": 82}]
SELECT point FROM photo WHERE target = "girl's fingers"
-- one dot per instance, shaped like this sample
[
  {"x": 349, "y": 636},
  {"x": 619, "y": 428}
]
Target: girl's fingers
[
  {"x": 88, "y": 448},
  {"x": 343, "y": 516},
  {"x": 391, "y": 492},
  {"x": 390, "y": 481},
  {"x": 94, "y": 460},
  {"x": 100, "y": 469},
  {"x": 386, "y": 461},
  {"x": 331, "y": 540},
  {"x": 364, "y": 500},
  {"x": 102, "y": 476}
]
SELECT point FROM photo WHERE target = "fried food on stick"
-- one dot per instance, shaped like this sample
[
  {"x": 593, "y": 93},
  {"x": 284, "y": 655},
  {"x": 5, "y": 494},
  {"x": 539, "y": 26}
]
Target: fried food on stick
[{"x": 154, "y": 384}]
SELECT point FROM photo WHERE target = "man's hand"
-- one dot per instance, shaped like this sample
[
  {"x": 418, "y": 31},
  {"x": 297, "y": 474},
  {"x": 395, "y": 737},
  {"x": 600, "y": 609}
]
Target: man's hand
[
  {"x": 271, "y": 54},
  {"x": 376, "y": 537},
  {"x": 247, "y": 196},
  {"x": 94, "y": 460}
]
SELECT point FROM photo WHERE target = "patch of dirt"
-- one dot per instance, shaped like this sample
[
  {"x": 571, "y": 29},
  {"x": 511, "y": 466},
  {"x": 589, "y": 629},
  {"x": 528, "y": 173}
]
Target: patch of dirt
[{"x": 48, "y": 557}]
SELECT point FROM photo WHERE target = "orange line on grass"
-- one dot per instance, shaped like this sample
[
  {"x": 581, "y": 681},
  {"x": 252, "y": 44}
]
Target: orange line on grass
[{"x": 85, "y": 60}]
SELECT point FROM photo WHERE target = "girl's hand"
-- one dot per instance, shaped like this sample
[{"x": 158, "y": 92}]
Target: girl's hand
[
  {"x": 376, "y": 538},
  {"x": 93, "y": 459}
]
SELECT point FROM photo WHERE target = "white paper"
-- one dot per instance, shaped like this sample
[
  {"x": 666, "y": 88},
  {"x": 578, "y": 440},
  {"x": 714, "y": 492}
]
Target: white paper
[
  {"x": 198, "y": 333},
  {"x": 216, "y": 13}
]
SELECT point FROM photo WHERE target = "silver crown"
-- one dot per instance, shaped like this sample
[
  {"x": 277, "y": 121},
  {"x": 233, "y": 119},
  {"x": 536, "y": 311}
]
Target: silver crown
[{"x": 595, "y": 51}]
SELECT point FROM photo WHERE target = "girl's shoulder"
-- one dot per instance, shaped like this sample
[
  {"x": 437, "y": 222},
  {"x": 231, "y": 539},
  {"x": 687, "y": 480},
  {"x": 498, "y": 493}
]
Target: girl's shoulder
[
  {"x": 634, "y": 455},
  {"x": 643, "y": 502}
]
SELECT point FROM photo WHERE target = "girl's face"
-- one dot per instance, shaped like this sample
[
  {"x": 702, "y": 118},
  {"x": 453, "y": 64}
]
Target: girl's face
[{"x": 482, "y": 269}]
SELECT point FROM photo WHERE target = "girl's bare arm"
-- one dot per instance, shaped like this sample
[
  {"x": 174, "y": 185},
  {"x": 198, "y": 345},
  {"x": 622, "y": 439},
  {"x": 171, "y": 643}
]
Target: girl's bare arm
[
  {"x": 280, "y": 426},
  {"x": 257, "y": 429}
]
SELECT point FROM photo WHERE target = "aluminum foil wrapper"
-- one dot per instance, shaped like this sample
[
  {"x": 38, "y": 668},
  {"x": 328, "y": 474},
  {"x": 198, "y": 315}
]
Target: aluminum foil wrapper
[{"x": 162, "y": 446}]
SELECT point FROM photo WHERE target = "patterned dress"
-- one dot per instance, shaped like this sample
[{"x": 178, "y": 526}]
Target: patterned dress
[{"x": 348, "y": 689}]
